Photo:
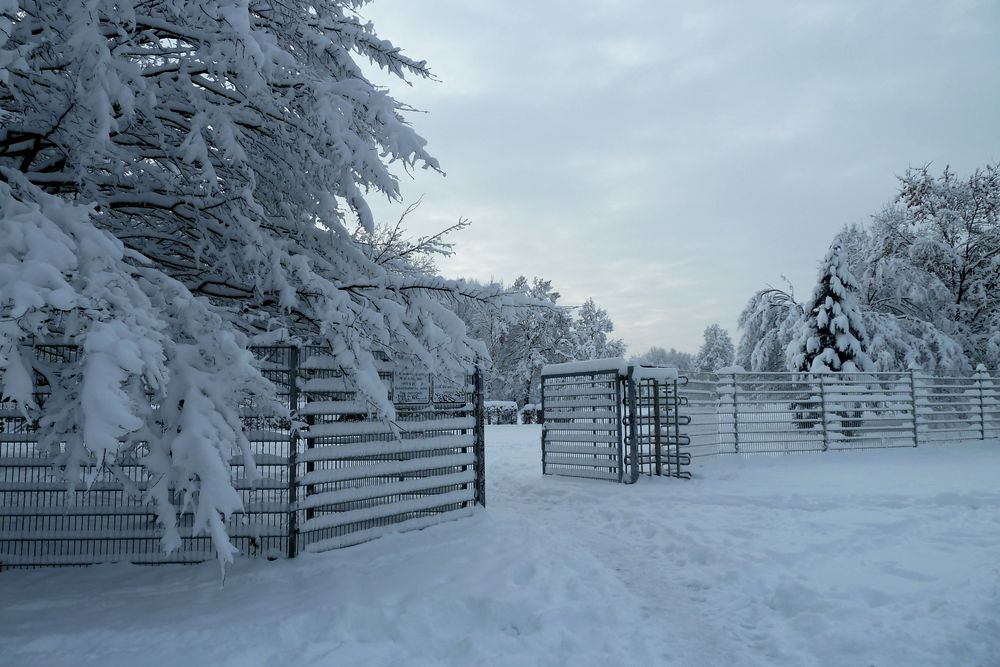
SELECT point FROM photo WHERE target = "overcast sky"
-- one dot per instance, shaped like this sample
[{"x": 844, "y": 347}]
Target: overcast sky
[{"x": 670, "y": 158}]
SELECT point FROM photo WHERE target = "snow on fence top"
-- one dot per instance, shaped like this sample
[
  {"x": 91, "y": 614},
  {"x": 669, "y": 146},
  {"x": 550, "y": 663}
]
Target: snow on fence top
[{"x": 617, "y": 364}]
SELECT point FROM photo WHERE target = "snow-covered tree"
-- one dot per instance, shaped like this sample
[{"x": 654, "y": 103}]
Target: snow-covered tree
[
  {"x": 928, "y": 275},
  {"x": 591, "y": 327},
  {"x": 717, "y": 350},
  {"x": 391, "y": 247},
  {"x": 832, "y": 336},
  {"x": 659, "y": 356},
  {"x": 176, "y": 182},
  {"x": 905, "y": 309},
  {"x": 767, "y": 325},
  {"x": 532, "y": 329},
  {"x": 930, "y": 262}
]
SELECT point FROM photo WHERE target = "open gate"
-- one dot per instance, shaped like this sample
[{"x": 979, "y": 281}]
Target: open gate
[
  {"x": 656, "y": 419},
  {"x": 604, "y": 419}
]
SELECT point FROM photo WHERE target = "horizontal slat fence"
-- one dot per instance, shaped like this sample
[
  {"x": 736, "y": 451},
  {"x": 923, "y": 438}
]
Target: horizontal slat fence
[
  {"x": 766, "y": 413},
  {"x": 581, "y": 434},
  {"x": 339, "y": 478}
]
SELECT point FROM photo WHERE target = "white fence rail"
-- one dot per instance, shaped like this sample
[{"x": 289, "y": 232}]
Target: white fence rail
[{"x": 750, "y": 413}]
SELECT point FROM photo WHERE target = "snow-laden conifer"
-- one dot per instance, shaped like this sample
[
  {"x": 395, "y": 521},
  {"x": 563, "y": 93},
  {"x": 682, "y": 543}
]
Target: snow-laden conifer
[{"x": 832, "y": 336}]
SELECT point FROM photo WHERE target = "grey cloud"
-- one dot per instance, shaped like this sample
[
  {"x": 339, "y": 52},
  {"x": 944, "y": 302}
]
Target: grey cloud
[{"x": 670, "y": 158}]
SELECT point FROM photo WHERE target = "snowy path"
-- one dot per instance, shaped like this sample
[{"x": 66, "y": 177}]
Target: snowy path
[{"x": 869, "y": 558}]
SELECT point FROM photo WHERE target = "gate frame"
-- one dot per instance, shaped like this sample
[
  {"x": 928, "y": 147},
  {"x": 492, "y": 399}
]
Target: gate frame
[{"x": 632, "y": 384}]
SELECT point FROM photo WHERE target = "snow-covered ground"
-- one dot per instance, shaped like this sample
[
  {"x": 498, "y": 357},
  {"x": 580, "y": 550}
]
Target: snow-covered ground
[{"x": 862, "y": 558}]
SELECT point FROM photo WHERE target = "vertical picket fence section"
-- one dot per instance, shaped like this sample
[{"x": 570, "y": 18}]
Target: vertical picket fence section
[{"x": 331, "y": 476}]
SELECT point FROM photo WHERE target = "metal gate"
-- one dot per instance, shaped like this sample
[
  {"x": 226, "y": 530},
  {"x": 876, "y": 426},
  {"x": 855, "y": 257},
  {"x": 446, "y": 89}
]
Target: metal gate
[
  {"x": 658, "y": 420},
  {"x": 581, "y": 421},
  {"x": 604, "y": 419}
]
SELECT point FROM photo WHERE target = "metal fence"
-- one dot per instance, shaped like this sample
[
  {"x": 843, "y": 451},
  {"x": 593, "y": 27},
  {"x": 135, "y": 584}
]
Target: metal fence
[
  {"x": 331, "y": 476},
  {"x": 750, "y": 413},
  {"x": 606, "y": 420}
]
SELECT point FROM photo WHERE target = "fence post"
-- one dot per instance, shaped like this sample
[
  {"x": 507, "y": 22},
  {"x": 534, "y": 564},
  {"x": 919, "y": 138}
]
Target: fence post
[
  {"x": 657, "y": 431},
  {"x": 541, "y": 421},
  {"x": 913, "y": 406},
  {"x": 676, "y": 454},
  {"x": 293, "y": 450},
  {"x": 982, "y": 406},
  {"x": 480, "y": 437},
  {"x": 632, "y": 440},
  {"x": 736, "y": 419},
  {"x": 822, "y": 412}
]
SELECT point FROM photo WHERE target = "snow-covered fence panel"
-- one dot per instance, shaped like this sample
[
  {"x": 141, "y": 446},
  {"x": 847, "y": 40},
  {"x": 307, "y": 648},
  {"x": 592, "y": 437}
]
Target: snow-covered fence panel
[
  {"x": 358, "y": 478},
  {"x": 581, "y": 420},
  {"x": 760, "y": 413},
  {"x": 863, "y": 411},
  {"x": 769, "y": 412},
  {"x": 108, "y": 517},
  {"x": 700, "y": 403},
  {"x": 956, "y": 407},
  {"x": 425, "y": 467},
  {"x": 988, "y": 388}
]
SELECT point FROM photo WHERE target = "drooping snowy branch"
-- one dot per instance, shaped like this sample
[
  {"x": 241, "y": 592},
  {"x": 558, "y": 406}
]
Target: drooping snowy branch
[
  {"x": 176, "y": 180},
  {"x": 768, "y": 323}
]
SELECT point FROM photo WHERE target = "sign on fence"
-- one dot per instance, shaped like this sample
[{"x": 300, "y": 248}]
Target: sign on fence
[
  {"x": 448, "y": 389},
  {"x": 411, "y": 388}
]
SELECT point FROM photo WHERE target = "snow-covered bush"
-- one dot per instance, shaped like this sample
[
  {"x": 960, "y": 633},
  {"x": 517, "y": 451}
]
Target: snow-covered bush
[
  {"x": 531, "y": 414},
  {"x": 500, "y": 412},
  {"x": 176, "y": 181}
]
